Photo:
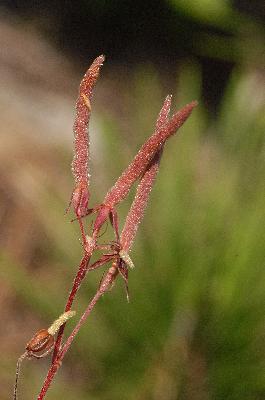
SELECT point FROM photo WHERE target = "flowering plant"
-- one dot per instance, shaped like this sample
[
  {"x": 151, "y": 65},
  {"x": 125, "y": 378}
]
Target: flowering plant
[{"x": 143, "y": 168}]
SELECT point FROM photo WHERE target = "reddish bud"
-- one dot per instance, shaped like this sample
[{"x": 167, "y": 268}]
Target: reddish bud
[
  {"x": 42, "y": 340},
  {"x": 80, "y": 199},
  {"x": 102, "y": 216},
  {"x": 108, "y": 279}
]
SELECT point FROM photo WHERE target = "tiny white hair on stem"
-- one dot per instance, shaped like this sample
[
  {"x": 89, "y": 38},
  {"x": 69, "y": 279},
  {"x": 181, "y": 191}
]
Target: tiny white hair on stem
[{"x": 53, "y": 329}]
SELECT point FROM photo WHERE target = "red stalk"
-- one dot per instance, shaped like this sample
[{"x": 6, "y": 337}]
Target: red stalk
[
  {"x": 76, "y": 285},
  {"x": 144, "y": 166},
  {"x": 106, "y": 283}
]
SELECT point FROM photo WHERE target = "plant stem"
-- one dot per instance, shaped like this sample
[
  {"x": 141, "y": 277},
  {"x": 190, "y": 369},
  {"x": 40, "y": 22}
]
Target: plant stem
[
  {"x": 76, "y": 284},
  {"x": 58, "y": 361},
  {"x": 104, "y": 286},
  {"x": 144, "y": 167}
]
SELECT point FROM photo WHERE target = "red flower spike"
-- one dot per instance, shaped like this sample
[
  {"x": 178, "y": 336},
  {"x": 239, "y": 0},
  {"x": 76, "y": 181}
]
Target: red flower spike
[
  {"x": 80, "y": 169},
  {"x": 144, "y": 188},
  {"x": 136, "y": 212},
  {"x": 139, "y": 204},
  {"x": 138, "y": 166},
  {"x": 105, "y": 210}
]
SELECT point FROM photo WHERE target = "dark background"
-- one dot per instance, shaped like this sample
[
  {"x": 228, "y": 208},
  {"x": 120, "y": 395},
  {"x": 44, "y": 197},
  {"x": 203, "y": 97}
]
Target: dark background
[{"x": 160, "y": 32}]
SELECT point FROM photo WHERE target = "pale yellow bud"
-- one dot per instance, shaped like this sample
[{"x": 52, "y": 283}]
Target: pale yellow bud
[
  {"x": 126, "y": 258},
  {"x": 53, "y": 329}
]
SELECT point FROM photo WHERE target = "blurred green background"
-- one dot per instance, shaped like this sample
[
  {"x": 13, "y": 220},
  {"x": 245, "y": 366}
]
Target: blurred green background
[{"x": 195, "y": 326}]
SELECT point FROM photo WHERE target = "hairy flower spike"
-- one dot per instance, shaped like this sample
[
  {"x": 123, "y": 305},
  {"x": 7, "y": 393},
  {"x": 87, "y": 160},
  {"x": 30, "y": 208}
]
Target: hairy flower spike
[
  {"x": 136, "y": 212},
  {"x": 80, "y": 168},
  {"x": 83, "y": 110},
  {"x": 105, "y": 209},
  {"x": 139, "y": 164}
]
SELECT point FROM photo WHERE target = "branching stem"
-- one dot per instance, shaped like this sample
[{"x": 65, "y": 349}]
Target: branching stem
[{"x": 143, "y": 168}]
